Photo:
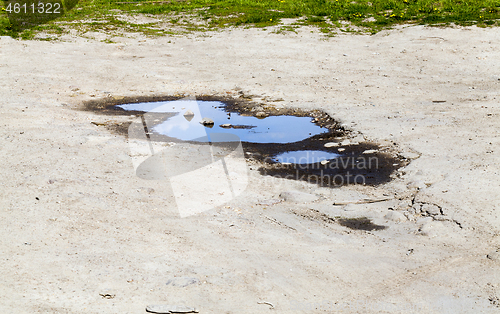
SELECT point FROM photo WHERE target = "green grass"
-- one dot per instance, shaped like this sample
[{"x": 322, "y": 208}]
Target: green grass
[{"x": 328, "y": 15}]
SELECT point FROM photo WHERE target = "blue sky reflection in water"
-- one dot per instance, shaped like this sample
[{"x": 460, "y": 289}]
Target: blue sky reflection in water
[
  {"x": 303, "y": 157},
  {"x": 272, "y": 129}
]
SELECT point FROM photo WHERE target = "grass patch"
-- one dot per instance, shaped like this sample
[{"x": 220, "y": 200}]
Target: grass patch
[{"x": 198, "y": 15}]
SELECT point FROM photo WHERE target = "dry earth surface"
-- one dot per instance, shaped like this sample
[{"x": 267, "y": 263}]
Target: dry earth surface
[{"x": 80, "y": 233}]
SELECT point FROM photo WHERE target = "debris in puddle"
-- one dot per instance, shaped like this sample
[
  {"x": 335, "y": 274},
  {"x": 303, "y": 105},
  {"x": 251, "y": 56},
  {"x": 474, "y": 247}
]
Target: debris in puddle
[
  {"x": 226, "y": 125},
  {"x": 188, "y": 115},
  {"x": 170, "y": 309},
  {"x": 207, "y": 122},
  {"x": 370, "y": 151}
]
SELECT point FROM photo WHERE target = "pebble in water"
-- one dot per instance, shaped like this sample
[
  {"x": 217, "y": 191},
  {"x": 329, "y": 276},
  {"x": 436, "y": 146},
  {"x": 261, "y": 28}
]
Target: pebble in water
[{"x": 207, "y": 122}]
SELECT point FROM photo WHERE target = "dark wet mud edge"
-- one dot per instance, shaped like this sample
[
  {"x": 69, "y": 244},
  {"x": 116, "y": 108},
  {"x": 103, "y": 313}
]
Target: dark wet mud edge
[
  {"x": 353, "y": 167},
  {"x": 347, "y": 170},
  {"x": 105, "y": 106}
]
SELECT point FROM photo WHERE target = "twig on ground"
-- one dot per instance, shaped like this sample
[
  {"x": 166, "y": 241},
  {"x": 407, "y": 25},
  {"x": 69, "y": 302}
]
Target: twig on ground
[
  {"x": 268, "y": 303},
  {"x": 363, "y": 201},
  {"x": 279, "y": 223}
]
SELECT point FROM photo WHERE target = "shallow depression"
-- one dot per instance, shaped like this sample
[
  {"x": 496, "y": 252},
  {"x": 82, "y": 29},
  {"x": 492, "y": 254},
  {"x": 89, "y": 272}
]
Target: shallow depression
[{"x": 285, "y": 143}]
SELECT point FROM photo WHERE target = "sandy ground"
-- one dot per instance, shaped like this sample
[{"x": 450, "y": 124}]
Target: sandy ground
[{"x": 80, "y": 233}]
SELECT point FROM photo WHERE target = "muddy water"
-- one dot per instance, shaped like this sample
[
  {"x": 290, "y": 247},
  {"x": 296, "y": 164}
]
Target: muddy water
[{"x": 291, "y": 144}]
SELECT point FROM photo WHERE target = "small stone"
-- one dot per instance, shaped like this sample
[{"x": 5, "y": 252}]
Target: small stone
[
  {"x": 298, "y": 197},
  {"x": 331, "y": 144},
  {"x": 226, "y": 125},
  {"x": 409, "y": 155},
  {"x": 494, "y": 256},
  {"x": 345, "y": 142},
  {"x": 324, "y": 162},
  {"x": 370, "y": 151},
  {"x": 207, "y": 122},
  {"x": 168, "y": 309},
  {"x": 188, "y": 115},
  {"x": 341, "y": 149},
  {"x": 261, "y": 114},
  {"x": 395, "y": 216},
  {"x": 107, "y": 295}
]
